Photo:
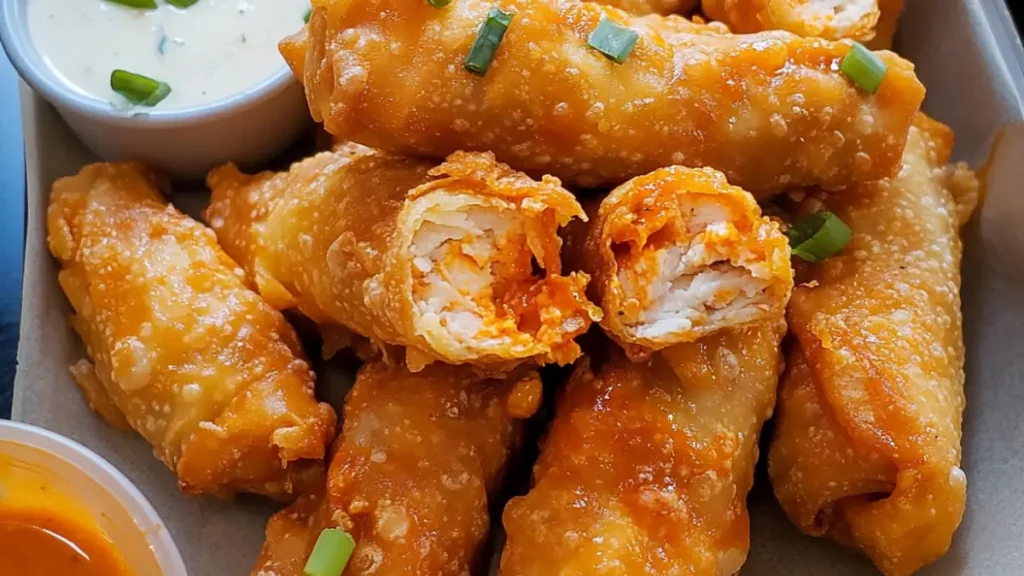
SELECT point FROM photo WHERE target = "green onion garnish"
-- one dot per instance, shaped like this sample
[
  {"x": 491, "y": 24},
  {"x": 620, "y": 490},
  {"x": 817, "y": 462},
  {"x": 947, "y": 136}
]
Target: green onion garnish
[
  {"x": 138, "y": 89},
  {"x": 439, "y": 3},
  {"x": 181, "y": 3},
  {"x": 330, "y": 553},
  {"x": 864, "y": 68},
  {"x": 817, "y": 236},
  {"x": 140, "y": 4},
  {"x": 487, "y": 40},
  {"x": 305, "y": 17},
  {"x": 612, "y": 40}
]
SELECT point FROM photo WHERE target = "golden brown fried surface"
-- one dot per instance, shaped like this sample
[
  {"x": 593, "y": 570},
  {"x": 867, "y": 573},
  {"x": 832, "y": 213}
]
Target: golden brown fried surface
[
  {"x": 646, "y": 468},
  {"x": 830, "y": 19},
  {"x": 641, "y": 7},
  {"x": 770, "y": 110},
  {"x": 867, "y": 439},
  {"x": 678, "y": 254},
  {"x": 181, "y": 349},
  {"x": 412, "y": 472},
  {"x": 458, "y": 262}
]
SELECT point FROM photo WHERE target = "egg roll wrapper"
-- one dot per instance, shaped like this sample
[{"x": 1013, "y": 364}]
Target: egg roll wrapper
[
  {"x": 867, "y": 442},
  {"x": 646, "y": 467},
  {"x": 181, "y": 349},
  {"x": 770, "y": 110},
  {"x": 829, "y": 19},
  {"x": 419, "y": 458},
  {"x": 458, "y": 262},
  {"x": 678, "y": 254}
]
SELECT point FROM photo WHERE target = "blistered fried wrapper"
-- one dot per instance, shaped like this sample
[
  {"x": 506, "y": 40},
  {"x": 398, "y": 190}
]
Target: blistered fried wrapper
[
  {"x": 867, "y": 439},
  {"x": 458, "y": 262},
  {"x": 770, "y": 110},
  {"x": 646, "y": 467},
  {"x": 678, "y": 254},
  {"x": 420, "y": 456},
  {"x": 181, "y": 349}
]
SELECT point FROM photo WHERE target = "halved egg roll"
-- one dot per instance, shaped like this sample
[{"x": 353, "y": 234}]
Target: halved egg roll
[
  {"x": 830, "y": 19},
  {"x": 770, "y": 110},
  {"x": 419, "y": 457},
  {"x": 458, "y": 262},
  {"x": 867, "y": 439},
  {"x": 678, "y": 254},
  {"x": 646, "y": 467},
  {"x": 181, "y": 349}
]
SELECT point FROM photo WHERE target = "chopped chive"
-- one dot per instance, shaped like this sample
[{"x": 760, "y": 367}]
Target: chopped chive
[
  {"x": 138, "y": 89},
  {"x": 818, "y": 236},
  {"x": 864, "y": 68},
  {"x": 162, "y": 46},
  {"x": 330, "y": 554},
  {"x": 305, "y": 17},
  {"x": 439, "y": 3},
  {"x": 612, "y": 40},
  {"x": 181, "y": 3},
  {"x": 487, "y": 40},
  {"x": 140, "y": 4}
]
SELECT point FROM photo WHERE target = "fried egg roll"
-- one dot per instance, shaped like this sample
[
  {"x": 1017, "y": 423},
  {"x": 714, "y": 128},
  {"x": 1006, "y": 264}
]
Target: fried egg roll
[
  {"x": 829, "y": 19},
  {"x": 646, "y": 467},
  {"x": 678, "y": 254},
  {"x": 642, "y": 7},
  {"x": 771, "y": 110},
  {"x": 418, "y": 459},
  {"x": 458, "y": 262},
  {"x": 867, "y": 439},
  {"x": 181, "y": 349}
]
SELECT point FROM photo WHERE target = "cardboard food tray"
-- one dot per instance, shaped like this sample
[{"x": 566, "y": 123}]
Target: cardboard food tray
[{"x": 970, "y": 58}]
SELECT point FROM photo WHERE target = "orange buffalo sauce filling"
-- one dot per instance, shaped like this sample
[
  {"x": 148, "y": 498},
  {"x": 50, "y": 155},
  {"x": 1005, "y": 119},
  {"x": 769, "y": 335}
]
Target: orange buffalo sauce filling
[{"x": 45, "y": 542}]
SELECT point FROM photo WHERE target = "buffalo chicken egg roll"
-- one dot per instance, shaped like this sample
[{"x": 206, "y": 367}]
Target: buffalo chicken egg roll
[
  {"x": 419, "y": 457},
  {"x": 770, "y": 110},
  {"x": 646, "y": 467},
  {"x": 678, "y": 254},
  {"x": 459, "y": 262},
  {"x": 867, "y": 440},
  {"x": 181, "y": 349},
  {"x": 830, "y": 19}
]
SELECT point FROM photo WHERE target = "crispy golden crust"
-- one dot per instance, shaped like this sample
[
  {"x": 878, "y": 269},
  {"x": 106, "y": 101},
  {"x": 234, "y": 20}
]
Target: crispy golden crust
[
  {"x": 337, "y": 237},
  {"x": 182, "y": 350},
  {"x": 665, "y": 7},
  {"x": 853, "y": 19},
  {"x": 646, "y": 468},
  {"x": 770, "y": 110},
  {"x": 867, "y": 440},
  {"x": 412, "y": 472},
  {"x": 714, "y": 224}
]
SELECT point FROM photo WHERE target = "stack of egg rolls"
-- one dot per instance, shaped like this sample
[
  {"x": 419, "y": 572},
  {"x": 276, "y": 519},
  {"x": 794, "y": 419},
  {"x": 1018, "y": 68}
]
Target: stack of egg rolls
[
  {"x": 457, "y": 262},
  {"x": 182, "y": 350},
  {"x": 867, "y": 440}
]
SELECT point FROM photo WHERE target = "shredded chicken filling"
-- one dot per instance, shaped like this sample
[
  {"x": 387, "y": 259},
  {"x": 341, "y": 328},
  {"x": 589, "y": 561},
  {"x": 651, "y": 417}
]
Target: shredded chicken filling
[
  {"x": 470, "y": 265},
  {"x": 698, "y": 277}
]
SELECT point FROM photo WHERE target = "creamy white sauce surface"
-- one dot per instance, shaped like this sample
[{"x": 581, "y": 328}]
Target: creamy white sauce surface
[{"x": 208, "y": 51}]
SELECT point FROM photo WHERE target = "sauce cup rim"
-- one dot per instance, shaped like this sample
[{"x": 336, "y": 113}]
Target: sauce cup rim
[
  {"x": 17, "y": 41},
  {"x": 104, "y": 474}
]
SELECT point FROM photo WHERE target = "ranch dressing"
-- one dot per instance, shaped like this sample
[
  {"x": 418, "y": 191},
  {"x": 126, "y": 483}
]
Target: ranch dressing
[{"x": 208, "y": 51}]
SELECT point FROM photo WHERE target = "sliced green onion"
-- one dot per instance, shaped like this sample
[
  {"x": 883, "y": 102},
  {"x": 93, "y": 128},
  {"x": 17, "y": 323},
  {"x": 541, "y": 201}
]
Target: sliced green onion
[
  {"x": 439, "y": 3},
  {"x": 305, "y": 17},
  {"x": 181, "y": 3},
  {"x": 612, "y": 40},
  {"x": 330, "y": 553},
  {"x": 818, "y": 236},
  {"x": 140, "y": 4},
  {"x": 138, "y": 89},
  {"x": 487, "y": 40},
  {"x": 864, "y": 68}
]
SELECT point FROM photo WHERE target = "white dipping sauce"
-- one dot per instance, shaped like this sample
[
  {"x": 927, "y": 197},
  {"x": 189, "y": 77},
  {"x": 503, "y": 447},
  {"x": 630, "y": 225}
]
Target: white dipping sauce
[{"x": 208, "y": 51}]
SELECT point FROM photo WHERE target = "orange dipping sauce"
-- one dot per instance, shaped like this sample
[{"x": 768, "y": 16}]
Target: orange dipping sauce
[{"x": 51, "y": 542}]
